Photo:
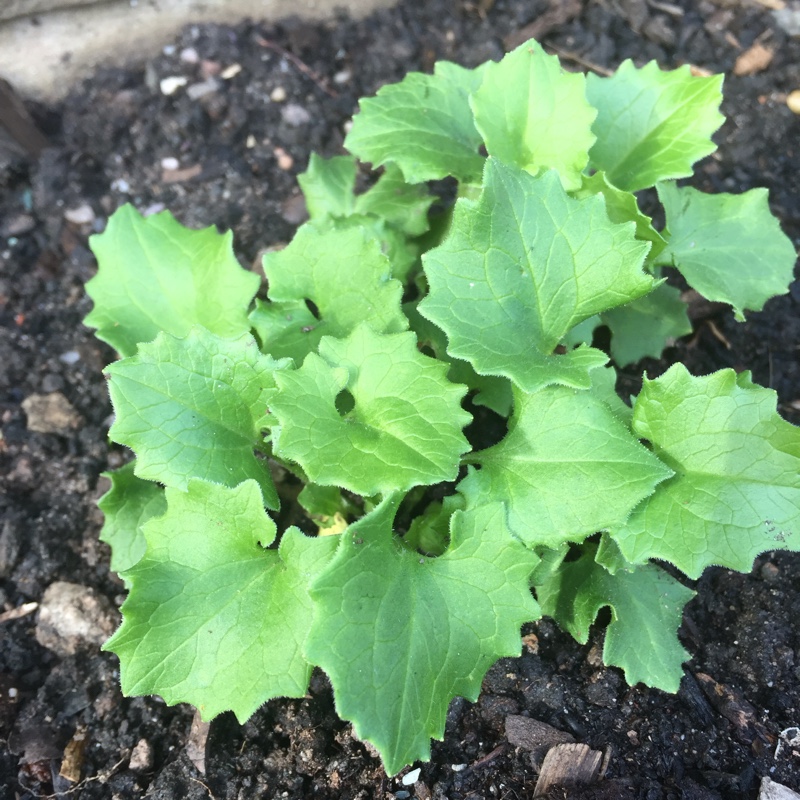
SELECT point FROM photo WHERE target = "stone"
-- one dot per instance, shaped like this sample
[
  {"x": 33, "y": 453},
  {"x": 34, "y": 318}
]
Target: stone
[{"x": 72, "y": 617}]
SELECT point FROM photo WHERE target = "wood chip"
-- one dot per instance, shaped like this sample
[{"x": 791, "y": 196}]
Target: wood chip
[
  {"x": 531, "y": 734},
  {"x": 196, "y": 744},
  {"x": 569, "y": 765},
  {"x": 755, "y": 59},
  {"x": 72, "y": 763},
  {"x": 180, "y": 175},
  {"x": 19, "y": 612},
  {"x": 736, "y": 709}
]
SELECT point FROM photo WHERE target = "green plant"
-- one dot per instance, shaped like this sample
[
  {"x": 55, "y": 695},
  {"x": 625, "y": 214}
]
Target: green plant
[{"x": 352, "y": 376}]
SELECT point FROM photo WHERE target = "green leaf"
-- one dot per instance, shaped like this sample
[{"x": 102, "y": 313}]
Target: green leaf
[
  {"x": 343, "y": 273},
  {"x": 127, "y": 505},
  {"x": 647, "y": 325},
  {"x": 401, "y": 205},
  {"x": 622, "y": 207},
  {"x": 195, "y": 408},
  {"x": 400, "y": 635},
  {"x": 329, "y": 189},
  {"x": 329, "y": 186},
  {"x": 652, "y": 125},
  {"x": 728, "y": 247},
  {"x": 198, "y": 280},
  {"x": 736, "y": 489},
  {"x": 534, "y": 115},
  {"x": 423, "y": 124},
  {"x": 403, "y": 430},
  {"x": 567, "y": 468},
  {"x": 213, "y": 618},
  {"x": 429, "y": 532},
  {"x": 646, "y": 610},
  {"x": 520, "y": 268},
  {"x": 491, "y": 391}
]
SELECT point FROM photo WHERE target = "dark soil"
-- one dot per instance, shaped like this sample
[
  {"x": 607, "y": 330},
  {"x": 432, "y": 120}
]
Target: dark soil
[{"x": 715, "y": 739}]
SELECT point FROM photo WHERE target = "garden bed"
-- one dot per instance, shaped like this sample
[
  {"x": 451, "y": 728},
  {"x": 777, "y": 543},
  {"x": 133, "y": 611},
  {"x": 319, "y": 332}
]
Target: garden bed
[{"x": 224, "y": 147}]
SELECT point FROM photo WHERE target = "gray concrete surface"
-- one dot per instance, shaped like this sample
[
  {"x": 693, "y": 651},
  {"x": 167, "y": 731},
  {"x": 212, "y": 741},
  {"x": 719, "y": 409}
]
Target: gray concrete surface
[{"x": 49, "y": 45}]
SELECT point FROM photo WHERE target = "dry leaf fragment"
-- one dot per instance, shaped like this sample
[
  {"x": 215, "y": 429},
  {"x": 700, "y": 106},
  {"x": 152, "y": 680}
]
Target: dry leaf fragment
[{"x": 755, "y": 59}]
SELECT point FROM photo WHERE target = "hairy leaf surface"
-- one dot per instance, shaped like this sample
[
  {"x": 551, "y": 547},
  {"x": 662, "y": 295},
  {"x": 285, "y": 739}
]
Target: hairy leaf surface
[
  {"x": 199, "y": 281},
  {"x": 652, "y": 125},
  {"x": 736, "y": 488},
  {"x": 729, "y": 247},
  {"x": 195, "y": 408},
  {"x": 646, "y": 610},
  {"x": 400, "y": 635},
  {"x": 532, "y": 113},
  {"x": 567, "y": 468},
  {"x": 404, "y": 427},
  {"x": 213, "y": 618},
  {"x": 523, "y": 265}
]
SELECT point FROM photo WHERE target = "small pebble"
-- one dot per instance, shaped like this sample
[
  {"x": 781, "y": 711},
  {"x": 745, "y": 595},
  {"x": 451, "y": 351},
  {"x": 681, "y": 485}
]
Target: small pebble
[
  {"x": 285, "y": 161},
  {"x": 120, "y": 185},
  {"x": 278, "y": 94},
  {"x": 342, "y": 77},
  {"x": 251, "y": 142},
  {"x": 154, "y": 208},
  {"x": 230, "y": 72},
  {"x": 189, "y": 55},
  {"x": 82, "y": 215},
  {"x": 70, "y": 357},
  {"x": 410, "y": 778},
  {"x": 170, "y": 163},
  {"x": 793, "y": 101},
  {"x": 141, "y": 756},
  {"x": 171, "y": 84},
  {"x": 13, "y": 692},
  {"x": 295, "y": 115},
  {"x": 198, "y": 90}
]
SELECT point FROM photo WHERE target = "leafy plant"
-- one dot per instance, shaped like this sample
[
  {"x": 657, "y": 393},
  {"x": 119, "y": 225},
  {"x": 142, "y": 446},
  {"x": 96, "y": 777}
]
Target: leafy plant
[{"x": 385, "y": 330}]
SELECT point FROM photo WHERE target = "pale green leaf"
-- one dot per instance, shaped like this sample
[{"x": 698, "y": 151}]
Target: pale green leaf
[
  {"x": 213, "y": 618},
  {"x": 400, "y": 635},
  {"x": 423, "y": 124},
  {"x": 343, "y": 273},
  {"x": 195, "y": 408},
  {"x": 532, "y": 113},
  {"x": 400, "y": 205},
  {"x": 127, "y": 505},
  {"x": 736, "y": 489},
  {"x": 156, "y": 275},
  {"x": 652, "y": 125},
  {"x": 568, "y": 467},
  {"x": 646, "y": 610},
  {"x": 622, "y": 207},
  {"x": 329, "y": 189},
  {"x": 647, "y": 325},
  {"x": 429, "y": 532},
  {"x": 729, "y": 247},
  {"x": 329, "y": 186},
  {"x": 404, "y": 427},
  {"x": 493, "y": 392},
  {"x": 520, "y": 268}
]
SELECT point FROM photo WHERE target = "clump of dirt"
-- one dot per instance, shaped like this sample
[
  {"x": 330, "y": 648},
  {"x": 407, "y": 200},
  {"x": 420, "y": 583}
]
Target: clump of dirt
[{"x": 225, "y": 149}]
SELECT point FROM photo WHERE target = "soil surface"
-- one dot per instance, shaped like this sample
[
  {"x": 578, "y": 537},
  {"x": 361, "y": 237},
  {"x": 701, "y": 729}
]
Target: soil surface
[{"x": 224, "y": 148}]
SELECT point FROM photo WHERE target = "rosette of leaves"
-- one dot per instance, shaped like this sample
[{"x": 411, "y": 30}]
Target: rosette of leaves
[{"x": 442, "y": 547}]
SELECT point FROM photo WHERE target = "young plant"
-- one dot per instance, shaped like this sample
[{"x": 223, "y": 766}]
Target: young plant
[{"x": 383, "y": 324}]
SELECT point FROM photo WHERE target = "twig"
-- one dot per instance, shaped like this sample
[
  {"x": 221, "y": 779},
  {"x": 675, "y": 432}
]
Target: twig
[
  {"x": 579, "y": 60},
  {"x": 301, "y": 65},
  {"x": 19, "y": 611}
]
